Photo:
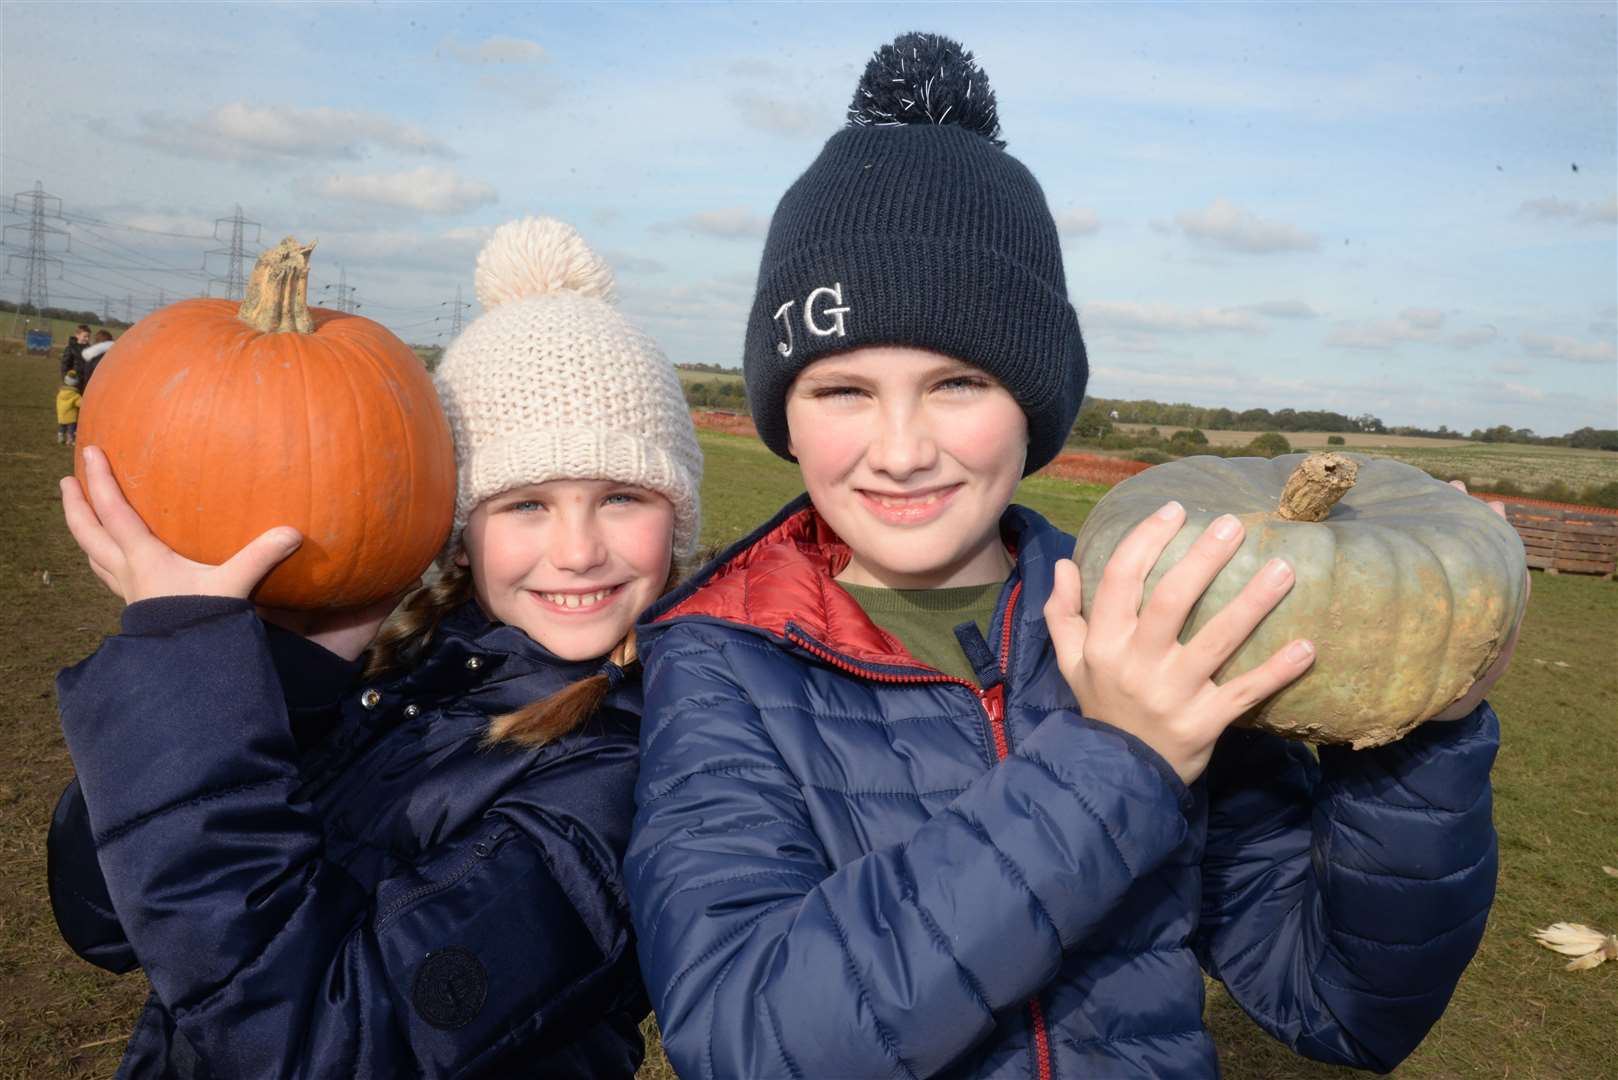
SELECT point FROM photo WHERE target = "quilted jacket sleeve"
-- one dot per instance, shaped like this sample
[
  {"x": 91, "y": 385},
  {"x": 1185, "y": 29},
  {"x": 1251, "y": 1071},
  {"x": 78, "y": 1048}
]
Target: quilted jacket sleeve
[
  {"x": 274, "y": 961},
  {"x": 78, "y": 892},
  {"x": 1342, "y": 900},
  {"x": 906, "y": 953}
]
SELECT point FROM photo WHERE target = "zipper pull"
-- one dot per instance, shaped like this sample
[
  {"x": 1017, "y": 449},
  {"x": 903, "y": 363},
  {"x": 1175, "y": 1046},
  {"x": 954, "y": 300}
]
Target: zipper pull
[{"x": 978, "y": 654}]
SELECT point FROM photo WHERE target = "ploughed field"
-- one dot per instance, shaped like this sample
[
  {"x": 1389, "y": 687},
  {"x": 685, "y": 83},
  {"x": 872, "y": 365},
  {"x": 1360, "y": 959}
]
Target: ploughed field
[{"x": 1516, "y": 1013}]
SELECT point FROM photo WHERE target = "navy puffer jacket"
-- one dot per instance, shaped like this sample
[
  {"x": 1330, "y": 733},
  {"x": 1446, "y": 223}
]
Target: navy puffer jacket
[
  {"x": 846, "y": 864},
  {"x": 324, "y": 878}
]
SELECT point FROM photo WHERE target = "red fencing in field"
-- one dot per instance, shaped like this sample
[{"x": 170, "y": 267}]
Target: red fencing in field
[
  {"x": 1580, "y": 508},
  {"x": 726, "y": 423},
  {"x": 1093, "y": 468}
]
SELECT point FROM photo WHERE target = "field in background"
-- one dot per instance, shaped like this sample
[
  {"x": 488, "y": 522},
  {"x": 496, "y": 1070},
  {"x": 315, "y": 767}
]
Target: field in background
[
  {"x": 1516, "y": 1014},
  {"x": 688, "y": 377},
  {"x": 1477, "y": 462},
  {"x": 1302, "y": 440},
  {"x": 61, "y": 329}
]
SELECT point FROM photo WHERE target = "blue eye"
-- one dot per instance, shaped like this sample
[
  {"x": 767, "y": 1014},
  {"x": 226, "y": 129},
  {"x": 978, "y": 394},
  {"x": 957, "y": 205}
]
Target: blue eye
[
  {"x": 964, "y": 384},
  {"x": 838, "y": 392},
  {"x": 526, "y": 506},
  {"x": 622, "y": 498}
]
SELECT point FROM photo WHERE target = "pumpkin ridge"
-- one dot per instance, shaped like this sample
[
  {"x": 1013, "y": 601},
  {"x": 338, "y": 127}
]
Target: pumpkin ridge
[
  {"x": 386, "y": 429},
  {"x": 1408, "y": 588}
]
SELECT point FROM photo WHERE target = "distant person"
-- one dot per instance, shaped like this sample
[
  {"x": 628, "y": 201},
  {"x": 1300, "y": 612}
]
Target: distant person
[
  {"x": 92, "y": 355},
  {"x": 73, "y": 351},
  {"x": 67, "y": 408}
]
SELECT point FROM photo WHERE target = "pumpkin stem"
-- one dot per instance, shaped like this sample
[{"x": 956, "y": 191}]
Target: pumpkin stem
[
  {"x": 278, "y": 291},
  {"x": 1316, "y": 485}
]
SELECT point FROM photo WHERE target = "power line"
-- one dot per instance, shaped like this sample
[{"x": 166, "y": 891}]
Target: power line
[
  {"x": 456, "y": 306},
  {"x": 36, "y": 291},
  {"x": 83, "y": 219},
  {"x": 234, "y": 281},
  {"x": 129, "y": 252},
  {"x": 345, "y": 292}
]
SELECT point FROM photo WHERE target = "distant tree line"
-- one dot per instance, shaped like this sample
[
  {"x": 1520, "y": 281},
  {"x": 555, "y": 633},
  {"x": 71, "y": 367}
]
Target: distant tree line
[
  {"x": 1181, "y": 414},
  {"x": 727, "y": 394},
  {"x": 89, "y": 318},
  {"x": 1094, "y": 425},
  {"x": 1098, "y": 414}
]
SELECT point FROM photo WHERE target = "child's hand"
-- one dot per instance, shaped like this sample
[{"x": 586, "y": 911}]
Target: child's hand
[
  {"x": 136, "y": 565},
  {"x": 1125, "y": 663},
  {"x": 1474, "y": 695}
]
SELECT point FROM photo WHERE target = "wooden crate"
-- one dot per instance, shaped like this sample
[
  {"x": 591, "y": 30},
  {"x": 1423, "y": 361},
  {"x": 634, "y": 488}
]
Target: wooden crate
[{"x": 1566, "y": 541}]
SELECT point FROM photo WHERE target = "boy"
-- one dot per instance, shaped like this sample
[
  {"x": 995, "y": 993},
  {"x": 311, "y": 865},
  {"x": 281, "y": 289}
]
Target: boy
[{"x": 903, "y": 811}]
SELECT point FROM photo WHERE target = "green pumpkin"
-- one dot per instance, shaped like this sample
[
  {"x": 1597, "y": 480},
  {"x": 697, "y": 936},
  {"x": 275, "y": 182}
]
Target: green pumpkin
[{"x": 1408, "y": 587}]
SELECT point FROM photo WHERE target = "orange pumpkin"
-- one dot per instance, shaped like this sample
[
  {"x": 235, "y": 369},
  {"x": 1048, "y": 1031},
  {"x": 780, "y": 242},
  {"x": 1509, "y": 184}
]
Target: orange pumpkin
[{"x": 222, "y": 420}]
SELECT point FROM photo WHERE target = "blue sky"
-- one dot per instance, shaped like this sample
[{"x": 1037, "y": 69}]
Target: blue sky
[{"x": 1361, "y": 207}]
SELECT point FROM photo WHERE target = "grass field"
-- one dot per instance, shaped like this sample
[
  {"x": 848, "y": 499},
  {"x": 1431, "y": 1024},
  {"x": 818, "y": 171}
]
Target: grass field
[
  {"x": 61, "y": 329},
  {"x": 1517, "y": 1014},
  {"x": 723, "y": 377},
  {"x": 1477, "y": 462},
  {"x": 1303, "y": 440}
]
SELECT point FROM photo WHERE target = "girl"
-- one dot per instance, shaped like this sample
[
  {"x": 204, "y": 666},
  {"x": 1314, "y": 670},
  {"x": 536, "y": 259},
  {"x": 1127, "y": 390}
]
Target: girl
[
  {"x": 413, "y": 872},
  {"x": 903, "y": 811}
]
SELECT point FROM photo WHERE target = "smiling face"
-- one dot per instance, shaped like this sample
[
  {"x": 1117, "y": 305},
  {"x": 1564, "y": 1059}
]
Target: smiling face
[
  {"x": 911, "y": 457},
  {"x": 572, "y": 563}
]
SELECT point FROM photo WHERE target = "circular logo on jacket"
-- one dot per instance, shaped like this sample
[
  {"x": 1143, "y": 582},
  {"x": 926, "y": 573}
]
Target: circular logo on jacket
[{"x": 451, "y": 986}]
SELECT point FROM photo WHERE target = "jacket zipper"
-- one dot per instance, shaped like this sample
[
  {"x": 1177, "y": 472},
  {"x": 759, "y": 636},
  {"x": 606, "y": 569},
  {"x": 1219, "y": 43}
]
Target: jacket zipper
[{"x": 993, "y": 703}]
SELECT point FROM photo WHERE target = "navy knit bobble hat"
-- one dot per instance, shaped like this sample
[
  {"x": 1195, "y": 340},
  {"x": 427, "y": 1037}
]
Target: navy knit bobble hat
[{"x": 915, "y": 227}]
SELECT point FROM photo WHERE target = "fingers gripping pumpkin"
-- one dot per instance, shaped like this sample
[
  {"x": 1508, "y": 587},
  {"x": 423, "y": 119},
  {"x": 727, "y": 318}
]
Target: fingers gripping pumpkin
[
  {"x": 1408, "y": 588},
  {"x": 221, "y": 421}
]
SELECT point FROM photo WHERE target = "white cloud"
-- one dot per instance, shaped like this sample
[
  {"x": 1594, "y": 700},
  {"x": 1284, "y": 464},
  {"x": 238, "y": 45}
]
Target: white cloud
[
  {"x": 1552, "y": 208},
  {"x": 512, "y": 69},
  {"x": 1566, "y": 348},
  {"x": 449, "y": 249},
  {"x": 1077, "y": 221},
  {"x": 1522, "y": 392},
  {"x": 1412, "y": 324},
  {"x": 239, "y": 131},
  {"x": 731, "y": 223},
  {"x": 1470, "y": 339},
  {"x": 1283, "y": 309},
  {"x": 1228, "y": 227},
  {"x": 1423, "y": 318},
  {"x": 1510, "y": 368},
  {"x": 624, "y": 262},
  {"x": 428, "y": 189},
  {"x": 497, "y": 51},
  {"x": 1165, "y": 319}
]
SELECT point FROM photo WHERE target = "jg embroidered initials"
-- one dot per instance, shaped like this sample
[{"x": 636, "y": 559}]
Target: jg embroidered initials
[{"x": 812, "y": 317}]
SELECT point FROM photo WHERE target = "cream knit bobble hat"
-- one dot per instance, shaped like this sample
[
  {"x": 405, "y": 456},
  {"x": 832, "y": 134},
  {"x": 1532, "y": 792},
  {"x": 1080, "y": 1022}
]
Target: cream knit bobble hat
[{"x": 550, "y": 383}]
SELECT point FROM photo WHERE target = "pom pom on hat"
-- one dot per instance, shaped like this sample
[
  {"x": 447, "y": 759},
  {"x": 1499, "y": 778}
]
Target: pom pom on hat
[
  {"x": 536, "y": 256},
  {"x": 925, "y": 79},
  {"x": 551, "y": 382},
  {"x": 918, "y": 187}
]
